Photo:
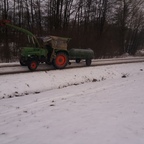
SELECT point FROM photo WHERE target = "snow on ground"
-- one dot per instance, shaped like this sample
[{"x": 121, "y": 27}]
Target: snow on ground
[{"x": 96, "y": 105}]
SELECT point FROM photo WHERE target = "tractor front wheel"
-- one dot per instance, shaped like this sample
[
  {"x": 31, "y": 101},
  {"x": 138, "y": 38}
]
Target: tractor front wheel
[
  {"x": 61, "y": 60},
  {"x": 32, "y": 65}
]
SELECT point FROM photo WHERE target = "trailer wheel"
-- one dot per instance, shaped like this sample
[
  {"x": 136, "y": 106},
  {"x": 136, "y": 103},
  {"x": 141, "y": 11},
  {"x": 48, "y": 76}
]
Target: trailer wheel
[
  {"x": 88, "y": 62},
  {"x": 61, "y": 60},
  {"x": 32, "y": 65},
  {"x": 78, "y": 60}
]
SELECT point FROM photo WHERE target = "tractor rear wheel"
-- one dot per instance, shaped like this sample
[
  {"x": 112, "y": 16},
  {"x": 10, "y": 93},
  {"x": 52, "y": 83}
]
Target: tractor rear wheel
[
  {"x": 61, "y": 60},
  {"x": 32, "y": 65},
  {"x": 88, "y": 62}
]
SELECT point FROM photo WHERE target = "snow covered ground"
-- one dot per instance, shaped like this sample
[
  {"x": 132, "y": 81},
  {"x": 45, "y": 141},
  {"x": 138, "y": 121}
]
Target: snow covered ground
[{"x": 91, "y": 105}]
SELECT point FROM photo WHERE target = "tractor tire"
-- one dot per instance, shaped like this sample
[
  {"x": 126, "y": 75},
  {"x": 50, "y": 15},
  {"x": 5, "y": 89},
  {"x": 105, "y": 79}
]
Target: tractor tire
[
  {"x": 32, "y": 65},
  {"x": 88, "y": 62},
  {"x": 61, "y": 60},
  {"x": 78, "y": 60}
]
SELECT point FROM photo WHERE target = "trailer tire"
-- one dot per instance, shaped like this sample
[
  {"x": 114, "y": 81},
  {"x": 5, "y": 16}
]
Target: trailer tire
[
  {"x": 88, "y": 62},
  {"x": 61, "y": 60},
  {"x": 32, "y": 65},
  {"x": 78, "y": 60}
]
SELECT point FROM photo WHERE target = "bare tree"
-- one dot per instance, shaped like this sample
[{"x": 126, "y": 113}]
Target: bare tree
[
  {"x": 106, "y": 26},
  {"x": 6, "y": 49},
  {"x": 129, "y": 19}
]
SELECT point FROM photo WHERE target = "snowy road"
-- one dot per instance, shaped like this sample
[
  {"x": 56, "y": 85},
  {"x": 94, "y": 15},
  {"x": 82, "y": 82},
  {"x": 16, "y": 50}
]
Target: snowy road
[
  {"x": 96, "y": 105},
  {"x": 14, "y": 68}
]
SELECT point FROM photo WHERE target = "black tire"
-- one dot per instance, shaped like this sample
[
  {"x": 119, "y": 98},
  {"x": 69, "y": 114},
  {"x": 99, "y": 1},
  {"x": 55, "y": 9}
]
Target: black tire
[
  {"x": 61, "y": 60},
  {"x": 88, "y": 62},
  {"x": 78, "y": 60},
  {"x": 32, "y": 65}
]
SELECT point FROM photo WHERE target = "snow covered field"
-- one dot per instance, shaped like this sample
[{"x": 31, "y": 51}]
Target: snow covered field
[{"x": 91, "y": 105}]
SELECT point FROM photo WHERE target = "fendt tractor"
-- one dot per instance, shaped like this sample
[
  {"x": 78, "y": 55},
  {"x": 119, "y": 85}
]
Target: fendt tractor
[{"x": 50, "y": 50}]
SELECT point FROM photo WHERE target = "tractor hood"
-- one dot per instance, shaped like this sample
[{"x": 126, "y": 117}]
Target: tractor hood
[
  {"x": 31, "y": 51},
  {"x": 28, "y": 50}
]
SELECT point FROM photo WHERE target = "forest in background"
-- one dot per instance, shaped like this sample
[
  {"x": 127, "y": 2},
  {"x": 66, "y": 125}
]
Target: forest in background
[{"x": 109, "y": 27}]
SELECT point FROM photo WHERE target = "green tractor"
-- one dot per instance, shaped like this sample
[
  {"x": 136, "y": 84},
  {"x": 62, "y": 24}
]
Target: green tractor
[{"x": 51, "y": 50}]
